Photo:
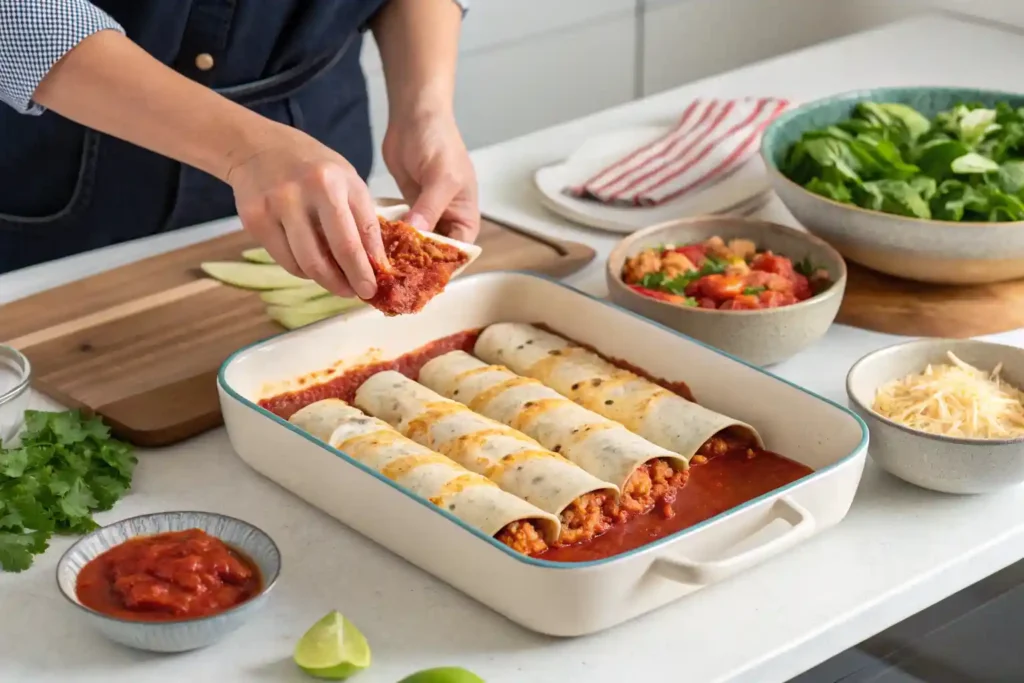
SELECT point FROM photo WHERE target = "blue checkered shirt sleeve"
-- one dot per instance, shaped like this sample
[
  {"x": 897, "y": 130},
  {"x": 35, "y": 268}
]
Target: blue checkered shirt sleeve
[{"x": 34, "y": 35}]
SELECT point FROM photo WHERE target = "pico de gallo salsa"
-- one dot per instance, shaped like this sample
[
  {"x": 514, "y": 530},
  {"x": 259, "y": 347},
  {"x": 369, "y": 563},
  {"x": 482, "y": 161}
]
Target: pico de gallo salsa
[
  {"x": 714, "y": 274},
  {"x": 168, "y": 576}
]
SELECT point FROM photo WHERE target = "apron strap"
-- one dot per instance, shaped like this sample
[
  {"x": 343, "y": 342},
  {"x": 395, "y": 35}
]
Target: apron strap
[{"x": 287, "y": 82}]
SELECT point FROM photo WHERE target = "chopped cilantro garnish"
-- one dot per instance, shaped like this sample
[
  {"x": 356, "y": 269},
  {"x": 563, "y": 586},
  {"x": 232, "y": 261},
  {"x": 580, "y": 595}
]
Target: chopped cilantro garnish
[
  {"x": 66, "y": 467},
  {"x": 753, "y": 291},
  {"x": 713, "y": 265},
  {"x": 653, "y": 280},
  {"x": 677, "y": 285}
]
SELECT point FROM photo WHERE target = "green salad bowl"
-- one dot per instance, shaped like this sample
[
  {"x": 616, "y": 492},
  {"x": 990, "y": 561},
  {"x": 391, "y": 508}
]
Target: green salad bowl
[{"x": 919, "y": 249}]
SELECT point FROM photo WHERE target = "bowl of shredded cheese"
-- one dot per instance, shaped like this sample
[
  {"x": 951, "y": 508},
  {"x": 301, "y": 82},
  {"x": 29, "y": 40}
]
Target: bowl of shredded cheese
[{"x": 944, "y": 414}]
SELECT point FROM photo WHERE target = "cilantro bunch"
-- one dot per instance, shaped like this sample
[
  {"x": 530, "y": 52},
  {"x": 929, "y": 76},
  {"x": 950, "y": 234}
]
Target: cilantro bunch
[
  {"x": 963, "y": 164},
  {"x": 66, "y": 467}
]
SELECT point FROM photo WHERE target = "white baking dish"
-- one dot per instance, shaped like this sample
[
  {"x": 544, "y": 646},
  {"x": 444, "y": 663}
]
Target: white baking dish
[{"x": 553, "y": 598}]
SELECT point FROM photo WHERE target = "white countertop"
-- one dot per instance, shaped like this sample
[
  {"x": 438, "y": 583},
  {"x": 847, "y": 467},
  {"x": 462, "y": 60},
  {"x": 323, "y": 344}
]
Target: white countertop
[{"x": 899, "y": 550}]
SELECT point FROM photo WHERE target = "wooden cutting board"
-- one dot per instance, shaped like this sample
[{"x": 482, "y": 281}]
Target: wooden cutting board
[
  {"x": 140, "y": 345},
  {"x": 882, "y": 303}
]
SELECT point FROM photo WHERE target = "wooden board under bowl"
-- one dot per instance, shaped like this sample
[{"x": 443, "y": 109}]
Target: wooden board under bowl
[
  {"x": 140, "y": 345},
  {"x": 882, "y": 303}
]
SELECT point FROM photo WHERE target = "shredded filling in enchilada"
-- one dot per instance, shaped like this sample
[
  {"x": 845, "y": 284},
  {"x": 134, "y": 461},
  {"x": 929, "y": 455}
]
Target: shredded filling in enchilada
[
  {"x": 418, "y": 269},
  {"x": 522, "y": 537},
  {"x": 511, "y": 459}
]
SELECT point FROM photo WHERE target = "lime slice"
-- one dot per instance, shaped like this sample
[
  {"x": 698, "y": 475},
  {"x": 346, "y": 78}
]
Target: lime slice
[
  {"x": 294, "y": 295},
  {"x": 444, "y": 674},
  {"x": 252, "y": 275},
  {"x": 309, "y": 312},
  {"x": 258, "y": 255},
  {"x": 332, "y": 648}
]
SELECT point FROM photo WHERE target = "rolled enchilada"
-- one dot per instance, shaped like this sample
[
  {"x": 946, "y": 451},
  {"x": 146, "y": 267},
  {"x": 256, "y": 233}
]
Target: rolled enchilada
[
  {"x": 472, "y": 498},
  {"x": 644, "y": 407},
  {"x": 509, "y": 458},
  {"x": 644, "y": 472}
]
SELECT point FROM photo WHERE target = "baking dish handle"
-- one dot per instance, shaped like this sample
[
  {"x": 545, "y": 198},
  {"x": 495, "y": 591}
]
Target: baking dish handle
[{"x": 801, "y": 526}]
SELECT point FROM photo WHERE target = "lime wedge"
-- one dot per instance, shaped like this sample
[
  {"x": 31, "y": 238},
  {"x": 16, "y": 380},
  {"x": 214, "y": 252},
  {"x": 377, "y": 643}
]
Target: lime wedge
[
  {"x": 444, "y": 674},
  {"x": 332, "y": 648}
]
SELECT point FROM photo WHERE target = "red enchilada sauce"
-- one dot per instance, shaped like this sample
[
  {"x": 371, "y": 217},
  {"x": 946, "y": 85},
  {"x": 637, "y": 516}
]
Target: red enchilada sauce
[
  {"x": 166, "y": 577},
  {"x": 719, "y": 484},
  {"x": 345, "y": 385}
]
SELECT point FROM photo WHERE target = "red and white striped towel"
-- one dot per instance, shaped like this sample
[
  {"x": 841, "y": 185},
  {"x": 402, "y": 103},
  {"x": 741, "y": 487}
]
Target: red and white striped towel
[{"x": 711, "y": 140}]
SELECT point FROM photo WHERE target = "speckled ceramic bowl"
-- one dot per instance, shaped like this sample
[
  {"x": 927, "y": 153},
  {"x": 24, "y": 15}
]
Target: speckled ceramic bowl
[
  {"x": 171, "y": 636},
  {"x": 940, "y": 463},
  {"x": 760, "y": 337},
  {"x": 912, "y": 248}
]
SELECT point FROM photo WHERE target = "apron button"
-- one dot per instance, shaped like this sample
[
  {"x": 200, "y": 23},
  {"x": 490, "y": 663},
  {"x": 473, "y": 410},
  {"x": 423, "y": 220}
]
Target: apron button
[{"x": 204, "y": 61}]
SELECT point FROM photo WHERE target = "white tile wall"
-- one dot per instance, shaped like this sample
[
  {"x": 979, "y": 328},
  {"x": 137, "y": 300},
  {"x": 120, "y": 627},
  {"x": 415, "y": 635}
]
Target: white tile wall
[
  {"x": 491, "y": 23},
  {"x": 685, "y": 41},
  {"x": 528, "y": 64},
  {"x": 519, "y": 87}
]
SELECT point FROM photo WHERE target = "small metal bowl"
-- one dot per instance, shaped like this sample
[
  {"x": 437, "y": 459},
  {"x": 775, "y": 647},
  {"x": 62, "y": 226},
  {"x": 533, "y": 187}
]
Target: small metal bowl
[
  {"x": 932, "y": 461},
  {"x": 186, "y": 634},
  {"x": 15, "y": 377}
]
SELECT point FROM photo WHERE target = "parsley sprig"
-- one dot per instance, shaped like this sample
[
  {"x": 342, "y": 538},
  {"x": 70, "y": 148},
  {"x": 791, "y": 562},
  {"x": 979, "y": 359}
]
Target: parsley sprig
[{"x": 66, "y": 467}]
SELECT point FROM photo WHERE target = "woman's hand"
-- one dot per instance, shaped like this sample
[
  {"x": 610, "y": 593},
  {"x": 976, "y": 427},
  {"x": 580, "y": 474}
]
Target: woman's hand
[
  {"x": 310, "y": 209},
  {"x": 429, "y": 161}
]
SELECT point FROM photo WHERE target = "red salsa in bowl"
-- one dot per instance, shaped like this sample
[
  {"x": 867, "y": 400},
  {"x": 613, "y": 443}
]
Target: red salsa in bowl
[
  {"x": 723, "y": 276},
  {"x": 170, "y": 576}
]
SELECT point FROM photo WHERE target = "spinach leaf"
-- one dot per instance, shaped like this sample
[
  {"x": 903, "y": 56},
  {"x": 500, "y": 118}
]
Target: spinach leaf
[
  {"x": 914, "y": 121},
  {"x": 924, "y": 186},
  {"x": 1011, "y": 177},
  {"x": 965, "y": 164},
  {"x": 892, "y": 196},
  {"x": 935, "y": 158},
  {"x": 973, "y": 162},
  {"x": 836, "y": 191}
]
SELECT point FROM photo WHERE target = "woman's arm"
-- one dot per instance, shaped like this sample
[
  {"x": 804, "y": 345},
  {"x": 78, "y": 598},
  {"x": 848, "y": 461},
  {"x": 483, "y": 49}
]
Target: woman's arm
[
  {"x": 304, "y": 202},
  {"x": 110, "y": 84},
  {"x": 419, "y": 44}
]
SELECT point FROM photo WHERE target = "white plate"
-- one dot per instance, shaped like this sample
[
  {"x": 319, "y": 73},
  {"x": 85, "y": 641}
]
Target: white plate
[
  {"x": 731, "y": 194},
  {"x": 394, "y": 212},
  {"x": 553, "y": 598}
]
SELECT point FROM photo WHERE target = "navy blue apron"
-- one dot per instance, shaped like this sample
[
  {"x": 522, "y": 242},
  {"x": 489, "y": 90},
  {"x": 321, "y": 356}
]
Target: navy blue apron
[{"x": 65, "y": 189}]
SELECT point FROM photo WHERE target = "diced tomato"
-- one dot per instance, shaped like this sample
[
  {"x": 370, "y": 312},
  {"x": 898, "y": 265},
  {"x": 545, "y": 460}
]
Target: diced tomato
[
  {"x": 718, "y": 287},
  {"x": 758, "y": 278},
  {"x": 772, "y": 299},
  {"x": 661, "y": 296},
  {"x": 694, "y": 252},
  {"x": 801, "y": 287},
  {"x": 743, "y": 302},
  {"x": 771, "y": 281},
  {"x": 707, "y": 303},
  {"x": 770, "y": 263}
]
